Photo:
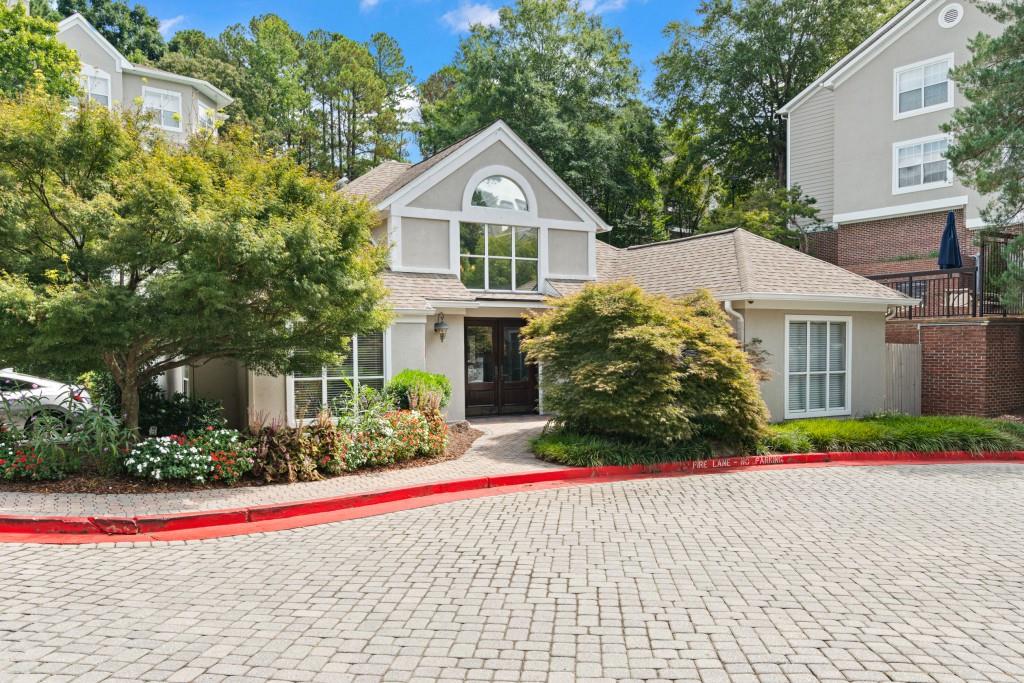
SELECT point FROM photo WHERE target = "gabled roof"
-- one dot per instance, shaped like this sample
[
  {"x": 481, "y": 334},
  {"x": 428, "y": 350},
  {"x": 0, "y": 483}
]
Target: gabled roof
[
  {"x": 860, "y": 55},
  {"x": 391, "y": 181},
  {"x": 736, "y": 264},
  {"x": 220, "y": 98}
]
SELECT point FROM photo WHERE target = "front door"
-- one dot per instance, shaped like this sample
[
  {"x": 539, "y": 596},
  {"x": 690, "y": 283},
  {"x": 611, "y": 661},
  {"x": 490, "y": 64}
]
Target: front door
[{"x": 498, "y": 378}]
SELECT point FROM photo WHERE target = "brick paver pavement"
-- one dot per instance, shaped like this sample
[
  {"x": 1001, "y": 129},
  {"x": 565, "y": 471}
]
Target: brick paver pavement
[
  {"x": 905, "y": 573},
  {"x": 503, "y": 449}
]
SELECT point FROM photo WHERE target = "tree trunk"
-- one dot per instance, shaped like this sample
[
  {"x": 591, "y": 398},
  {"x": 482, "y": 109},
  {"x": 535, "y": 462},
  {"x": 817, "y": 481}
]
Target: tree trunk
[{"x": 130, "y": 402}]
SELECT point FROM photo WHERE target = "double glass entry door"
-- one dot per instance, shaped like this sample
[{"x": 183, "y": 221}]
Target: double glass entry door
[{"x": 498, "y": 378}]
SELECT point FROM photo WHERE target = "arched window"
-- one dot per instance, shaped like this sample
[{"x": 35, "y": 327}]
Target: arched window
[{"x": 500, "y": 192}]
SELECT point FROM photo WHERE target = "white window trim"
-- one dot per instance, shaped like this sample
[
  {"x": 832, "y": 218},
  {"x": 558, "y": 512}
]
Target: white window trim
[
  {"x": 896, "y": 189},
  {"x": 513, "y": 258},
  {"x": 88, "y": 71},
  {"x": 847, "y": 410},
  {"x": 290, "y": 378},
  {"x": 493, "y": 215},
  {"x": 202, "y": 109},
  {"x": 181, "y": 112},
  {"x": 950, "y": 88}
]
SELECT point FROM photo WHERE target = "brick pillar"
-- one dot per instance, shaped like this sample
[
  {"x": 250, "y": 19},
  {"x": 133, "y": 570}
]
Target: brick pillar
[{"x": 970, "y": 368}]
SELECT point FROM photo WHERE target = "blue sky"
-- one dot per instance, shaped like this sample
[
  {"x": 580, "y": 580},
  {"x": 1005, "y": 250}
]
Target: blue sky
[{"x": 428, "y": 30}]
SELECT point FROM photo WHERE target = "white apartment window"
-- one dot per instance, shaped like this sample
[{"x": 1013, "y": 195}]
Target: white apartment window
[
  {"x": 331, "y": 386},
  {"x": 920, "y": 164},
  {"x": 923, "y": 87},
  {"x": 207, "y": 118},
  {"x": 817, "y": 366},
  {"x": 165, "y": 106},
  {"x": 498, "y": 257},
  {"x": 95, "y": 85}
]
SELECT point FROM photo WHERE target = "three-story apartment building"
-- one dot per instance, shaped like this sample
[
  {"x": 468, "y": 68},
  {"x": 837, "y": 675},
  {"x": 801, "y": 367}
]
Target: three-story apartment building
[{"x": 866, "y": 142}]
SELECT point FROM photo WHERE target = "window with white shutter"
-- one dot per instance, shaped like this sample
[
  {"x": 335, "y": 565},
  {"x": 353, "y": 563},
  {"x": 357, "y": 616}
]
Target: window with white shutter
[
  {"x": 312, "y": 389},
  {"x": 817, "y": 366}
]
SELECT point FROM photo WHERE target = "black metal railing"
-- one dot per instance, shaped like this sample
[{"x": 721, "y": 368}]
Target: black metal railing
[
  {"x": 995, "y": 257},
  {"x": 949, "y": 293}
]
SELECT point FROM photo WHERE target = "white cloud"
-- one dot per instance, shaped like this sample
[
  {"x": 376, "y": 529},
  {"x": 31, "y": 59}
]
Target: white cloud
[
  {"x": 601, "y": 6},
  {"x": 410, "y": 104},
  {"x": 367, "y": 5},
  {"x": 167, "y": 25},
  {"x": 459, "y": 20}
]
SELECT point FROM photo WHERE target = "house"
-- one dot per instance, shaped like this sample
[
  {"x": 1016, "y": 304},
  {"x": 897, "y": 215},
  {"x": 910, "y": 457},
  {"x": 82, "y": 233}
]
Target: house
[
  {"x": 865, "y": 141},
  {"x": 181, "y": 105},
  {"x": 482, "y": 232}
]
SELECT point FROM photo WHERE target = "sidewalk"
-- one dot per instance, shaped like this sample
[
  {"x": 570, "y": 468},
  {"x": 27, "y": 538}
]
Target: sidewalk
[{"x": 504, "y": 449}]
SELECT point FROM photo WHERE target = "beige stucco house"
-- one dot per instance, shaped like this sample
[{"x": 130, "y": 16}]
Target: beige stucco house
[{"x": 484, "y": 231}]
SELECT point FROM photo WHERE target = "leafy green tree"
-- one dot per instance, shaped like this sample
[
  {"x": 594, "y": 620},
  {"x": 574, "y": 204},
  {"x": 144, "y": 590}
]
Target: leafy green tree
[
  {"x": 32, "y": 56},
  {"x": 388, "y": 125},
  {"x": 622, "y": 363},
  {"x": 746, "y": 59},
  {"x": 566, "y": 84},
  {"x": 987, "y": 152},
  {"x": 688, "y": 181},
  {"x": 192, "y": 53},
  {"x": 132, "y": 30},
  {"x": 122, "y": 252},
  {"x": 268, "y": 52},
  {"x": 44, "y": 9},
  {"x": 770, "y": 210}
]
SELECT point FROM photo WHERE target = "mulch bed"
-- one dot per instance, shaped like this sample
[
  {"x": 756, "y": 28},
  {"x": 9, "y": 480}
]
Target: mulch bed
[{"x": 460, "y": 437}]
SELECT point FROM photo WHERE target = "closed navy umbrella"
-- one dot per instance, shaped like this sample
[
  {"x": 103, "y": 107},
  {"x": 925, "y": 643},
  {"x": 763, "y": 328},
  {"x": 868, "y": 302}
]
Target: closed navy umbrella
[{"x": 949, "y": 251}]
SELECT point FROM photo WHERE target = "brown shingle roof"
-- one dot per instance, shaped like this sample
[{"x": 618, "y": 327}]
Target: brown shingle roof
[
  {"x": 389, "y": 177},
  {"x": 370, "y": 184},
  {"x": 732, "y": 262},
  {"x": 416, "y": 290}
]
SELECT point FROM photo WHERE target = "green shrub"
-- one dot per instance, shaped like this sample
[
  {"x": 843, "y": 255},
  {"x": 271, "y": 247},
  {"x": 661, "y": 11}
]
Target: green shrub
[
  {"x": 893, "y": 433},
  {"x": 417, "y": 382},
  {"x": 640, "y": 368},
  {"x": 158, "y": 415},
  {"x": 577, "y": 450}
]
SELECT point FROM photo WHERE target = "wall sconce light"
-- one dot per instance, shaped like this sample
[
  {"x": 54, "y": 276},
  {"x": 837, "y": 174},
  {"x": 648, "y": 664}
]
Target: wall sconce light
[{"x": 441, "y": 327}]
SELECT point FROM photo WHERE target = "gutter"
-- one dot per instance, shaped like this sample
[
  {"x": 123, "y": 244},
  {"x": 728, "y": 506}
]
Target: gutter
[{"x": 740, "y": 322}]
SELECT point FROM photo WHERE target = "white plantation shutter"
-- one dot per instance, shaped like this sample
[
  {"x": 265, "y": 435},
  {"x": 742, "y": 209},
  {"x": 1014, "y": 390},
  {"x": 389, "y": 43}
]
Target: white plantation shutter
[
  {"x": 314, "y": 388},
  {"x": 816, "y": 357}
]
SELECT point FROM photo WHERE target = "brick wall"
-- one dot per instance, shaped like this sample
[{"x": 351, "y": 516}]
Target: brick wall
[
  {"x": 824, "y": 245},
  {"x": 893, "y": 245},
  {"x": 970, "y": 368}
]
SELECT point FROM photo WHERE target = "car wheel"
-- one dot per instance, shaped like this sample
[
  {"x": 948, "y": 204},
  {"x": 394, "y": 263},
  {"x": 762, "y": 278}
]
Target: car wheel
[{"x": 45, "y": 419}]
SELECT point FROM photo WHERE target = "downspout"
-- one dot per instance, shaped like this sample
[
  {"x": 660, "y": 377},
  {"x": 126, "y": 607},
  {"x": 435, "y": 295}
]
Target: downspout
[{"x": 740, "y": 322}]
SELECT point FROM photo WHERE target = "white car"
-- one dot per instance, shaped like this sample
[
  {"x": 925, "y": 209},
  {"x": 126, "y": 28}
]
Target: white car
[{"x": 24, "y": 398}]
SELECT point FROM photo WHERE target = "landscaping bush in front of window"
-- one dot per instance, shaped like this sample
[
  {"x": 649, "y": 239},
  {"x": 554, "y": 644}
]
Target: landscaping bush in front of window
[
  {"x": 417, "y": 382},
  {"x": 638, "y": 368},
  {"x": 893, "y": 432}
]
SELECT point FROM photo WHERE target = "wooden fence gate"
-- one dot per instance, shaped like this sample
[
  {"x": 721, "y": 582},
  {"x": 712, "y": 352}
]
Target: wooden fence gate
[{"x": 903, "y": 378}]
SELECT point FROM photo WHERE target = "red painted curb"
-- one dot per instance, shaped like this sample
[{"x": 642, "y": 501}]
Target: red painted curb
[{"x": 213, "y": 523}]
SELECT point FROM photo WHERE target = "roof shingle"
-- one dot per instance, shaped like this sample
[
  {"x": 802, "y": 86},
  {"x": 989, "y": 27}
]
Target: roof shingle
[{"x": 732, "y": 262}]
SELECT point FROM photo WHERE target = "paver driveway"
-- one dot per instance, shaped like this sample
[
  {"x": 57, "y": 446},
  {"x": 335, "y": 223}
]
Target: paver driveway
[{"x": 910, "y": 573}]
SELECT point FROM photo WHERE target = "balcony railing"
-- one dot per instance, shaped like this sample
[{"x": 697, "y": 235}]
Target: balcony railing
[{"x": 943, "y": 293}]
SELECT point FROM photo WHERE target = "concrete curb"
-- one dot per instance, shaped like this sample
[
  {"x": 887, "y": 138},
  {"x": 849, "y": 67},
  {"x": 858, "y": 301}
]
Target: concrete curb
[{"x": 254, "y": 519}]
